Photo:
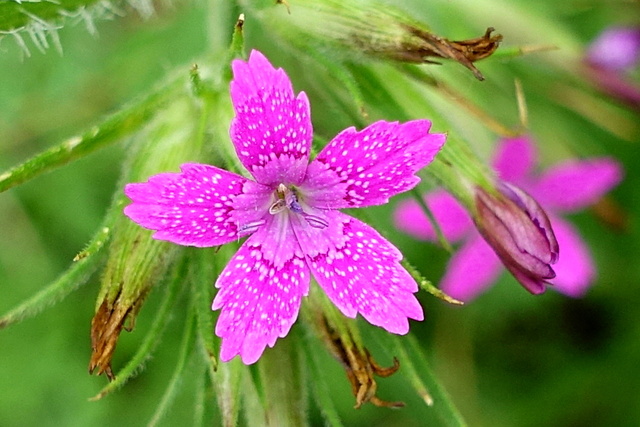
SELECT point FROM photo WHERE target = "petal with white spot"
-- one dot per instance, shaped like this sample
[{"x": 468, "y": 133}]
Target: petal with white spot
[
  {"x": 272, "y": 129},
  {"x": 259, "y": 301},
  {"x": 367, "y": 167},
  {"x": 361, "y": 273},
  {"x": 193, "y": 207}
]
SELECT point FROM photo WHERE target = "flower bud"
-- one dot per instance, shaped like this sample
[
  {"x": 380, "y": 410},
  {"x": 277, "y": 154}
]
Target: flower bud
[
  {"x": 519, "y": 231},
  {"x": 135, "y": 261},
  {"x": 377, "y": 30}
]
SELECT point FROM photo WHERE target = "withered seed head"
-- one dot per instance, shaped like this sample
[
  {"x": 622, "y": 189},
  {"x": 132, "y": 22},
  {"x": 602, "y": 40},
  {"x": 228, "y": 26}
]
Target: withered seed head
[{"x": 359, "y": 365}]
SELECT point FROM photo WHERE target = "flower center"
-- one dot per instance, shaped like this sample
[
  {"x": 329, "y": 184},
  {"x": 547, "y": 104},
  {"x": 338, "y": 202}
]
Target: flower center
[{"x": 287, "y": 198}]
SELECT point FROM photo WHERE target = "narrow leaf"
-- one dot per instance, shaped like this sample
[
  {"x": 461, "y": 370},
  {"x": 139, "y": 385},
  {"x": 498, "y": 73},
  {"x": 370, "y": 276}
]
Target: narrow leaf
[
  {"x": 85, "y": 263},
  {"x": 319, "y": 387},
  {"x": 228, "y": 381},
  {"x": 204, "y": 273},
  {"x": 117, "y": 126},
  {"x": 282, "y": 379},
  {"x": 427, "y": 285},
  {"x": 174, "y": 384},
  {"x": 416, "y": 369}
]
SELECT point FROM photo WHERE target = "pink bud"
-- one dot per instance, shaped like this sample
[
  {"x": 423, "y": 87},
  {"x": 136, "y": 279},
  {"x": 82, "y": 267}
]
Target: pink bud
[{"x": 520, "y": 233}]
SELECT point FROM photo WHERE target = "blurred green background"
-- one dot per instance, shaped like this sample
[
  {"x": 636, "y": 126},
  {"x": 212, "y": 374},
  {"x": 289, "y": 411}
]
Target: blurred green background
[{"x": 507, "y": 359}]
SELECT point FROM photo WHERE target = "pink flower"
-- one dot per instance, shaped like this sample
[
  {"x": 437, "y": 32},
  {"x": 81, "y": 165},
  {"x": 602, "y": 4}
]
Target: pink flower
[
  {"x": 291, "y": 213},
  {"x": 567, "y": 187},
  {"x": 616, "y": 48},
  {"x": 613, "y": 53}
]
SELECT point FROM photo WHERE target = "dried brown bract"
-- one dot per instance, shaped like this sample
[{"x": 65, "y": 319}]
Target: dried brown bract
[
  {"x": 106, "y": 326},
  {"x": 466, "y": 52},
  {"x": 360, "y": 367}
]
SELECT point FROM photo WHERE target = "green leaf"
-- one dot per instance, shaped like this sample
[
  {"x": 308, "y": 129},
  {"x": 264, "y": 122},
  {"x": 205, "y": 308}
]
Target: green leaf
[
  {"x": 253, "y": 407},
  {"x": 201, "y": 389},
  {"x": 228, "y": 381},
  {"x": 119, "y": 125},
  {"x": 283, "y": 387},
  {"x": 85, "y": 263},
  {"x": 416, "y": 369},
  {"x": 204, "y": 273},
  {"x": 319, "y": 387},
  {"x": 426, "y": 285},
  {"x": 169, "y": 395}
]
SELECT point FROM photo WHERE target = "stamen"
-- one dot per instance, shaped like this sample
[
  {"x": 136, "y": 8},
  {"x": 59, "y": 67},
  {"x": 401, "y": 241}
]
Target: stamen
[
  {"x": 288, "y": 198},
  {"x": 250, "y": 227},
  {"x": 277, "y": 206},
  {"x": 315, "y": 221},
  {"x": 295, "y": 207}
]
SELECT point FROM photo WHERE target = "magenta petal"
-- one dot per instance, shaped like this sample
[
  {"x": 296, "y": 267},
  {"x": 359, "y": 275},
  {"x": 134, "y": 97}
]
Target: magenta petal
[
  {"x": 193, "y": 207},
  {"x": 272, "y": 129},
  {"x": 471, "y": 270},
  {"x": 367, "y": 167},
  {"x": 514, "y": 159},
  {"x": 259, "y": 301},
  {"x": 574, "y": 185},
  {"x": 574, "y": 270},
  {"x": 362, "y": 274},
  {"x": 453, "y": 219}
]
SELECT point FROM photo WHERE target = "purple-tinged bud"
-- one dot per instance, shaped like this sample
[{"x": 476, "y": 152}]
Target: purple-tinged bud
[{"x": 519, "y": 231}]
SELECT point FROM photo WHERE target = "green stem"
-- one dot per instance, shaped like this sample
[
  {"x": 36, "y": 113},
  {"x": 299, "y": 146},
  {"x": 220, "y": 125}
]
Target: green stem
[
  {"x": 119, "y": 125},
  {"x": 174, "y": 384},
  {"x": 86, "y": 262},
  {"x": 417, "y": 195}
]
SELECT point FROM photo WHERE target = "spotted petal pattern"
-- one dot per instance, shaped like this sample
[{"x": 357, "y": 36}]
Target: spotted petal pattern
[
  {"x": 362, "y": 274},
  {"x": 272, "y": 129},
  {"x": 289, "y": 213},
  {"x": 259, "y": 300},
  {"x": 191, "y": 208},
  {"x": 368, "y": 167}
]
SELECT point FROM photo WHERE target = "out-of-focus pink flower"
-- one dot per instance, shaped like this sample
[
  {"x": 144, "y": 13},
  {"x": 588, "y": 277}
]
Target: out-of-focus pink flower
[
  {"x": 616, "y": 48},
  {"x": 615, "y": 51},
  {"x": 290, "y": 209},
  {"x": 567, "y": 187}
]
